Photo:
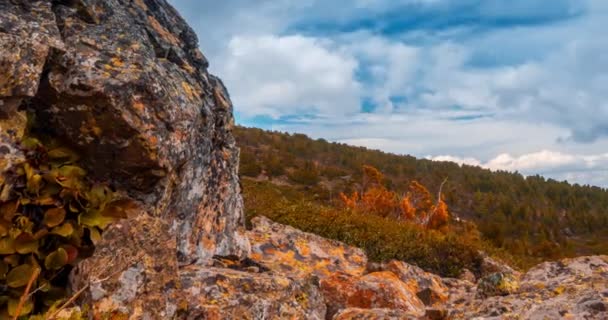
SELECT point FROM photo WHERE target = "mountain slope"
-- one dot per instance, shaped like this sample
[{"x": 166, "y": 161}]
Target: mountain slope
[{"x": 527, "y": 216}]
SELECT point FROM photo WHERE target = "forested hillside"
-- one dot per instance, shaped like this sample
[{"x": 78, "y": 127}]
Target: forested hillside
[{"x": 530, "y": 217}]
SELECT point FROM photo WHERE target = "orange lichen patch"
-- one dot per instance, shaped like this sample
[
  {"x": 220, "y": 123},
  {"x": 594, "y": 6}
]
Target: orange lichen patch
[
  {"x": 303, "y": 248},
  {"x": 164, "y": 33},
  {"x": 139, "y": 106},
  {"x": 421, "y": 282},
  {"x": 116, "y": 62},
  {"x": 301, "y": 254},
  {"x": 186, "y": 66},
  {"x": 188, "y": 89}
]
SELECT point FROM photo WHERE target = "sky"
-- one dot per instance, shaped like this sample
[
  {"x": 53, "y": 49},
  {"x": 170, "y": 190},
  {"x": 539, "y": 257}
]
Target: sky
[{"x": 518, "y": 85}]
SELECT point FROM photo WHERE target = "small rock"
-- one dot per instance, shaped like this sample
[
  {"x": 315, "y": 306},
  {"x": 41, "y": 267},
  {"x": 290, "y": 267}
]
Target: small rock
[
  {"x": 467, "y": 275},
  {"x": 497, "y": 284}
]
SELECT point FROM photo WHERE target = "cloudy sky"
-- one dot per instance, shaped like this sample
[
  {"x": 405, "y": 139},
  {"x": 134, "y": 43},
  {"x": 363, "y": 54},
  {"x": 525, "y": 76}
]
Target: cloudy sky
[{"x": 505, "y": 84}]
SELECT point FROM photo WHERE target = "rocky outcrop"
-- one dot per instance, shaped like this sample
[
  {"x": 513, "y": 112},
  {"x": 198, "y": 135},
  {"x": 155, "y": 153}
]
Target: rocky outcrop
[
  {"x": 123, "y": 83},
  {"x": 373, "y": 290},
  {"x": 290, "y": 251}
]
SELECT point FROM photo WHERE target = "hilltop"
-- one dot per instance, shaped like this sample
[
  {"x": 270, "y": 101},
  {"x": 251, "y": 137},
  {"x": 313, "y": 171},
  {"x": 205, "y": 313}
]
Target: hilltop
[{"x": 532, "y": 218}]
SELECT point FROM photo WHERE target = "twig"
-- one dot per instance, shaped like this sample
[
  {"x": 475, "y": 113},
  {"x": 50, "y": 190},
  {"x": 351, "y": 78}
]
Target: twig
[
  {"x": 428, "y": 218},
  {"x": 44, "y": 285},
  {"x": 67, "y": 303},
  {"x": 25, "y": 295}
]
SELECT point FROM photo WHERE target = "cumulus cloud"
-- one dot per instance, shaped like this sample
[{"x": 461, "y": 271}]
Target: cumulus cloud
[
  {"x": 487, "y": 81},
  {"x": 282, "y": 75}
]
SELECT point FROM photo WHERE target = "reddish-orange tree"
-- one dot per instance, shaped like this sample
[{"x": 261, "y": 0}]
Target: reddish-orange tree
[
  {"x": 415, "y": 206},
  {"x": 375, "y": 198}
]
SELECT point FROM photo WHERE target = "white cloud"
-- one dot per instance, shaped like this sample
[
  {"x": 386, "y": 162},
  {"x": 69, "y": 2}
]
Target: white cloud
[
  {"x": 274, "y": 75},
  {"x": 479, "y": 93},
  {"x": 576, "y": 168}
]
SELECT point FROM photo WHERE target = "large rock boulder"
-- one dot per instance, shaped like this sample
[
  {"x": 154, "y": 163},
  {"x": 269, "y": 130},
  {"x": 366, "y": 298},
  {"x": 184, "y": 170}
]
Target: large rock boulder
[
  {"x": 123, "y": 83},
  {"x": 290, "y": 251},
  {"x": 374, "y": 290},
  {"x": 429, "y": 287}
]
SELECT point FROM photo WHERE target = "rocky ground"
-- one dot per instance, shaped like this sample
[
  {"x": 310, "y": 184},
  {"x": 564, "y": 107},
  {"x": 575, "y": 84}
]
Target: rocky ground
[{"x": 124, "y": 83}]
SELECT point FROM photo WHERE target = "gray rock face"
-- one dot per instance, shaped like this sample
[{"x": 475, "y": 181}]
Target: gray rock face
[{"x": 123, "y": 82}]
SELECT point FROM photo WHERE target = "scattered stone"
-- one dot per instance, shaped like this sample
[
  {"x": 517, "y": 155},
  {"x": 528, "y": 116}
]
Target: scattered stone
[
  {"x": 467, "y": 275},
  {"x": 497, "y": 284}
]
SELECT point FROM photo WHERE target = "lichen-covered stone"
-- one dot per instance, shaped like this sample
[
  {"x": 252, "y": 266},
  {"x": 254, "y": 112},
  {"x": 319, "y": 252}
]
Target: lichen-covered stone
[
  {"x": 300, "y": 254},
  {"x": 124, "y": 83},
  {"x": 373, "y": 314},
  {"x": 134, "y": 271},
  {"x": 497, "y": 284},
  {"x": 429, "y": 287},
  {"x": 374, "y": 290},
  {"x": 567, "y": 289},
  {"x": 214, "y": 293}
]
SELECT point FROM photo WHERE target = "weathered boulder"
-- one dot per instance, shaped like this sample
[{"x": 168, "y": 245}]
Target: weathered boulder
[
  {"x": 131, "y": 273},
  {"x": 213, "y": 293},
  {"x": 429, "y": 287},
  {"x": 123, "y": 83},
  {"x": 374, "y": 290},
  {"x": 296, "y": 253},
  {"x": 373, "y": 314}
]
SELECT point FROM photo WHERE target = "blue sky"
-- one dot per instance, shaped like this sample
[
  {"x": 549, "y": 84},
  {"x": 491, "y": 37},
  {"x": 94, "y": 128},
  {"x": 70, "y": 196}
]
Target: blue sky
[{"x": 504, "y": 84}]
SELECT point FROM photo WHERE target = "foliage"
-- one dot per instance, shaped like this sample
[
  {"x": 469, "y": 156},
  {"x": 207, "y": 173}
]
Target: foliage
[
  {"x": 382, "y": 238},
  {"x": 415, "y": 207},
  {"x": 531, "y": 217},
  {"x": 50, "y": 218}
]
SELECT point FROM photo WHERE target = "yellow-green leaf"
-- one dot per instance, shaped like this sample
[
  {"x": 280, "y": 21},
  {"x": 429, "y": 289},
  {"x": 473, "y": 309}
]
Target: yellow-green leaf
[
  {"x": 34, "y": 183},
  {"x": 25, "y": 243},
  {"x": 95, "y": 235},
  {"x": 7, "y": 245},
  {"x": 54, "y": 217},
  {"x": 56, "y": 259},
  {"x": 65, "y": 230},
  {"x": 93, "y": 218},
  {"x": 63, "y": 154},
  {"x": 12, "y": 260},
  {"x": 30, "y": 143},
  {"x": 25, "y": 310},
  {"x": 19, "y": 276}
]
